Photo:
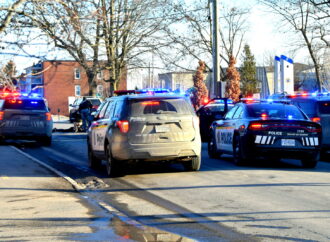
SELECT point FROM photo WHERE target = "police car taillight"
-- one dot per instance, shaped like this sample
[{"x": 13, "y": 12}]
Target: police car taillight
[
  {"x": 48, "y": 116},
  {"x": 2, "y": 113},
  {"x": 123, "y": 126},
  {"x": 316, "y": 119},
  {"x": 258, "y": 126}
]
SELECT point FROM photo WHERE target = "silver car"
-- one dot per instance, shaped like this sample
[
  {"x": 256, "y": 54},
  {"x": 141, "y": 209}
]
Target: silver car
[
  {"x": 145, "y": 128},
  {"x": 25, "y": 118}
]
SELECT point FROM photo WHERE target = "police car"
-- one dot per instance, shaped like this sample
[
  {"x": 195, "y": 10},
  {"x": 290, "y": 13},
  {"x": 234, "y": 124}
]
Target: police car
[
  {"x": 25, "y": 117},
  {"x": 275, "y": 130},
  {"x": 144, "y": 127}
]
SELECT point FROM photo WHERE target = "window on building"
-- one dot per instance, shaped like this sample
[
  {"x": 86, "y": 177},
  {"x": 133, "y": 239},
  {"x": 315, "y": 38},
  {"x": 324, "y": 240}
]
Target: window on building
[
  {"x": 99, "y": 75},
  {"x": 76, "y": 73},
  {"x": 77, "y": 90},
  {"x": 177, "y": 86}
]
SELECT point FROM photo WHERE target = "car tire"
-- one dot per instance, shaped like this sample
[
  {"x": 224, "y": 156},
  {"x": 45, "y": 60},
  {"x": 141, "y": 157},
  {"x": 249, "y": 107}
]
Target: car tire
[
  {"x": 212, "y": 149},
  {"x": 239, "y": 158},
  {"x": 194, "y": 164},
  {"x": 310, "y": 162},
  {"x": 93, "y": 162},
  {"x": 112, "y": 167}
]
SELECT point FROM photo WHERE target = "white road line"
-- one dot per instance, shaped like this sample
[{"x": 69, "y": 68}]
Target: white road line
[{"x": 76, "y": 185}]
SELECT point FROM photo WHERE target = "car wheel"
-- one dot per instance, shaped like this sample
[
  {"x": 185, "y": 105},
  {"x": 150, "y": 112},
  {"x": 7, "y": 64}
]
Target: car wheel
[
  {"x": 194, "y": 164},
  {"x": 238, "y": 153},
  {"x": 111, "y": 164},
  {"x": 93, "y": 162},
  {"x": 310, "y": 162},
  {"x": 212, "y": 149}
]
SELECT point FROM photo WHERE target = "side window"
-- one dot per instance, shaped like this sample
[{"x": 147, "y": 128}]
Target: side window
[
  {"x": 238, "y": 113},
  {"x": 118, "y": 109},
  {"x": 102, "y": 112},
  {"x": 110, "y": 110},
  {"x": 230, "y": 114}
]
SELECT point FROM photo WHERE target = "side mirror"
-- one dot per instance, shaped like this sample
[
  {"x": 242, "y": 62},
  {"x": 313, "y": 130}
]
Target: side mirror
[{"x": 70, "y": 105}]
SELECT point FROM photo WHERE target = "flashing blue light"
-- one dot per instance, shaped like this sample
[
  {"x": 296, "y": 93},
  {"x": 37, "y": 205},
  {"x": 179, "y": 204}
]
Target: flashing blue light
[
  {"x": 230, "y": 101},
  {"x": 290, "y": 117},
  {"x": 270, "y": 100},
  {"x": 314, "y": 94},
  {"x": 25, "y": 94},
  {"x": 34, "y": 102}
]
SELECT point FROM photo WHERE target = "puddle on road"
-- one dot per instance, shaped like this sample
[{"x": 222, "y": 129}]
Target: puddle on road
[{"x": 111, "y": 227}]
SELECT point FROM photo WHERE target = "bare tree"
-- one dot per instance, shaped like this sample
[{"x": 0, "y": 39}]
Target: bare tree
[
  {"x": 7, "y": 13},
  {"x": 300, "y": 15},
  {"x": 194, "y": 40}
]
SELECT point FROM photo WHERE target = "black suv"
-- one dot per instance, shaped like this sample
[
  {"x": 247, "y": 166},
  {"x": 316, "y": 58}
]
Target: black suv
[{"x": 215, "y": 109}]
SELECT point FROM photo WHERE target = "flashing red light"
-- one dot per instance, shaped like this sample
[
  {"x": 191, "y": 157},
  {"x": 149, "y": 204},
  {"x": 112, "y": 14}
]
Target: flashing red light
[
  {"x": 13, "y": 101},
  {"x": 48, "y": 116},
  {"x": 304, "y": 94},
  {"x": 123, "y": 126},
  {"x": 2, "y": 113},
  {"x": 256, "y": 126},
  {"x": 264, "y": 115},
  {"x": 147, "y": 103},
  {"x": 316, "y": 119},
  {"x": 205, "y": 100}
]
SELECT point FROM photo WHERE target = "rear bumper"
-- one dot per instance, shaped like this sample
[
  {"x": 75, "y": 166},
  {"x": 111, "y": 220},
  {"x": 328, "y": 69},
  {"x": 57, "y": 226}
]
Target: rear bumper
[
  {"x": 125, "y": 151},
  {"x": 26, "y": 133},
  {"x": 286, "y": 153}
]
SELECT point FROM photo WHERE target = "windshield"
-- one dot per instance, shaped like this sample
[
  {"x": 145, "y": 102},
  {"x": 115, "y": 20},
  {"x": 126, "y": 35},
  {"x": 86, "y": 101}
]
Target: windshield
[
  {"x": 160, "y": 106},
  {"x": 274, "y": 111},
  {"x": 324, "y": 107},
  {"x": 31, "y": 104}
]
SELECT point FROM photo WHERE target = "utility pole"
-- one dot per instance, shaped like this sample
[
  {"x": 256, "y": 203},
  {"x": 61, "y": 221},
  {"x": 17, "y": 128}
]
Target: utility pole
[{"x": 216, "y": 83}]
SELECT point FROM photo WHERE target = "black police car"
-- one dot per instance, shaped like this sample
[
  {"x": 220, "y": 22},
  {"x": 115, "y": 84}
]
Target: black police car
[
  {"x": 273, "y": 130},
  {"x": 215, "y": 109}
]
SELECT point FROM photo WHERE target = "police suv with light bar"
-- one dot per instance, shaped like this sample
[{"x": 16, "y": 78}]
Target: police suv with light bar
[
  {"x": 274, "y": 130},
  {"x": 144, "y": 127},
  {"x": 25, "y": 117}
]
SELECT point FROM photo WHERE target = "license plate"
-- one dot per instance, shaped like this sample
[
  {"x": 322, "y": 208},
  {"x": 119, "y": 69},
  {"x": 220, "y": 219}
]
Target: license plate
[
  {"x": 288, "y": 142},
  {"x": 24, "y": 117},
  {"x": 162, "y": 129}
]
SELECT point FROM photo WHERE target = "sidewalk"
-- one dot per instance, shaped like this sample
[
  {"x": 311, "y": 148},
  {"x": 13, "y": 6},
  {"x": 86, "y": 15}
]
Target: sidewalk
[{"x": 36, "y": 205}]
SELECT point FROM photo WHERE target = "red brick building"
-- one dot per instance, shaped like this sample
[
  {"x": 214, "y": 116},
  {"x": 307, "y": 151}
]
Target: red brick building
[{"x": 59, "y": 80}]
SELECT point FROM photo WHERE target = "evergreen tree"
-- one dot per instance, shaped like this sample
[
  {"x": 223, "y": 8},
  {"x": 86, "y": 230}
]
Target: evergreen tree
[
  {"x": 233, "y": 85},
  {"x": 248, "y": 73},
  {"x": 200, "y": 90}
]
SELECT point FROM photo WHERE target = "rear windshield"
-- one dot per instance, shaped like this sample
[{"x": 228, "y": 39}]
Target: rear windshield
[
  {"x": 274, "y": 111},
  {"x": 95, "y": 102},
  {"x": 324, "y": 107},
  {"x": 308, "y": 107},
  {"x": 30, "y": 104},
  {"x": 160, "y": 106}
]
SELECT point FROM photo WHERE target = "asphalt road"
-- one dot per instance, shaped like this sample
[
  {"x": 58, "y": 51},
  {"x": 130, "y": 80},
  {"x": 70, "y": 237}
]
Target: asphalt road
[{"x": 263, "y": 201}]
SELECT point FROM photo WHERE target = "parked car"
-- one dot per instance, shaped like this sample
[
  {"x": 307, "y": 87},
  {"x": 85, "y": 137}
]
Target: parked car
[
  {"x": 75, "y": 115},
  {"x": 215, "y": 109},
  {"x": 156, "y": 127},
  {"x": 272, "y": 130},
  {"x": 317, "y": 108},
  {"x": 25, "y": 118}
]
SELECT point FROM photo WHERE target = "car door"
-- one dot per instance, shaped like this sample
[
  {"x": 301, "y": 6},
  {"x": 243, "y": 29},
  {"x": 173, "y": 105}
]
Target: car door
[
  {"x": 224, "y": 131},
  {"x": 100, "y": 127}
]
